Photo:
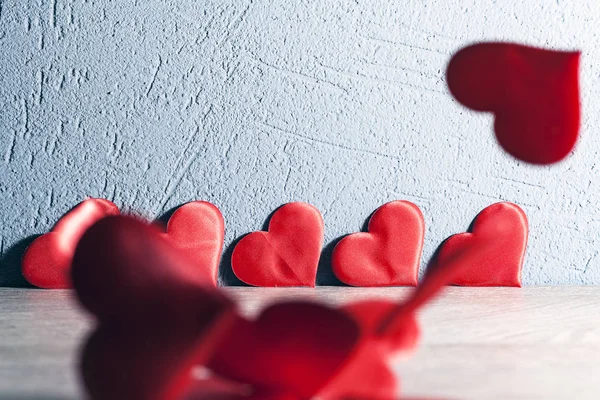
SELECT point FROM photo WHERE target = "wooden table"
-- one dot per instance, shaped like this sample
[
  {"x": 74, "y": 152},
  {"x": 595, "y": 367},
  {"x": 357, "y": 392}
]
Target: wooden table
[{"x": 478, "y": 343}]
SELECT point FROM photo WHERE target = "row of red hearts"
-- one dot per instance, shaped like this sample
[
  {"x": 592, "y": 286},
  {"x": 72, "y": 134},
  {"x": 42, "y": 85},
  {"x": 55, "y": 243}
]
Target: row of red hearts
[{"x": 288, "y": 253}]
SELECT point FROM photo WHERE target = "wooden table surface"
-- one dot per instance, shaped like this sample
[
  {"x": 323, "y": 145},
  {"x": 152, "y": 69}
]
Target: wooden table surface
[{"x": 478, "y": 343}]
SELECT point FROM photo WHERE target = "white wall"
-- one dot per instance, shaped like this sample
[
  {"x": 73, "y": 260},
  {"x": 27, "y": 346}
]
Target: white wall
[{"x": 250, "y": 104}]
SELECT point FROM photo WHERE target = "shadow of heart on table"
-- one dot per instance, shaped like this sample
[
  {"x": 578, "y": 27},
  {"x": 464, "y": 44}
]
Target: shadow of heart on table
[{"x": 10, "y": 264}]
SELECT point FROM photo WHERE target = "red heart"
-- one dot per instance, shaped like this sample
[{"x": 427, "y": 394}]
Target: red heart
[
  {"x": 502, "y": 230},
  {"x": 387, "y": 255},
  {"x": 534, "y": 94},
  {"x": 369, "y": 376},
  {"x": 291, "y": 348},
  {"x": 46, "y": 263},
  {"x": 370, "y": 314},
  {"x": 197, "y": 228},
  {"x": 158, "y": 318},
  {"x": 286, "y": 255}
]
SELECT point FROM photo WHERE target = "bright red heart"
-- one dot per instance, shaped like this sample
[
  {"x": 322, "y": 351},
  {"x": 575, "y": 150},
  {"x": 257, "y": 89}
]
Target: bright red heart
[
  {"x": 534, "y": 94},
  {"x": 502, "y": 230},
  {"x": 157, "y": 317},
  {"x": 291, "y": 348},
  {"x": 387, "y": 255},
  {"x": 197, "y": 228},
  {"x": 288, "y": 254},
  {"x": 46, "y": 263}
]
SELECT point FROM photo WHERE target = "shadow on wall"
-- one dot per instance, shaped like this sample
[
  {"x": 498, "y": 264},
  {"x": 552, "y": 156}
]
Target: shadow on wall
[
  {"x": 325, "y": 275},
  {"x": 228, "y": 277},
  {"x": 10, "y": 264}
]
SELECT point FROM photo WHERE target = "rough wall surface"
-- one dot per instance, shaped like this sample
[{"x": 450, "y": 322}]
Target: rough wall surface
[{"x": 251, "y": 104}]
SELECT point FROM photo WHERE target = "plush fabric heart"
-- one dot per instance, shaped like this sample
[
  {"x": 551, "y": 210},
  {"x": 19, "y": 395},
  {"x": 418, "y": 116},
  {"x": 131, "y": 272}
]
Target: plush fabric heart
[
  {"x": 46, "y": 263},
  {"x": 502, "y": 230},
  {"x": 291, "y": 348},
  {"x": 197, "y": 228},
  {"x": 534, "y": 94},
  {"x": 157, "y": 317},
  {"x": 288, "y": 254},
  {"x": 387, "y": 255}
]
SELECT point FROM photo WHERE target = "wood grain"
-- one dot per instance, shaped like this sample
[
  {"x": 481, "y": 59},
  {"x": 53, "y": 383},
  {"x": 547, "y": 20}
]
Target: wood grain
[{"x": 492, "y": 343}]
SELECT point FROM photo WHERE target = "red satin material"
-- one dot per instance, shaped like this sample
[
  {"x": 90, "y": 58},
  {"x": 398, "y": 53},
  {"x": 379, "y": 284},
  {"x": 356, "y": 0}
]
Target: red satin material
[
  {"x": 46, "y": 263},
  {"x": 500, "y": 228},
  {"x": 197, "y": 228},
  {"x": 388, "y": 254},
  {"x": 533, "y": 93},
  {"x": 157, "y": 317},
  {"x": 288, "y": 254}
]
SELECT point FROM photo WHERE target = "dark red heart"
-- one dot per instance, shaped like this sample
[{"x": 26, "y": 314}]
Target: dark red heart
[
  {"x": 157, "y": 317},
  {"x": 288, "y": 254},
  {"x": 501, "y": 229},
  {"x": 291, "y": 348},
  {"x": 534, "y": 94},
  {"x": 197, "y": 228},
  {"x": 46, "y": 263},
  {"x": 387, "y": 255}
]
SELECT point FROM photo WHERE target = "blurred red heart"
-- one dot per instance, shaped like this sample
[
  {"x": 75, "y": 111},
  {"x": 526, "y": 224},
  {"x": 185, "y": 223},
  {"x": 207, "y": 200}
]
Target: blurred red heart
[
  {"x": 157, "y": 317},
  {"x": 369, "y": 314},
  {"x": 388, "y": 254},
  {"x": 46, "y": 263},
  {"x": 534, "y": 94},
  {"x": 292, "y": 348},
  {"x": 288, "y": 254},
  {"x": 197, "y": 228},
  {"x": 501, "y": 229},
  {"x": 369, "y": 376}
]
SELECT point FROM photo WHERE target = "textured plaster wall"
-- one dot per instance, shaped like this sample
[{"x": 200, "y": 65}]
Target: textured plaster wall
[{"x": 251, "y": 104}]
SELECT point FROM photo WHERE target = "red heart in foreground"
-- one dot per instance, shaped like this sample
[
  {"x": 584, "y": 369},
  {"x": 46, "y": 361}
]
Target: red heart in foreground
[
  {"x": 197, "y": 228},
  {"x": 46, "y": 263},
  {"x": 288, "y": 254},
  {"x": 291, "y": 348},
  {"x": 387, "y": 255},
  {"x": 500, "y": 228},
  {"x": 534, "y": 94},
  {"x": 157, "y": 317}
]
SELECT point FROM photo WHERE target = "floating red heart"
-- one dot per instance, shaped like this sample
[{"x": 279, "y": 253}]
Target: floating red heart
[
  {"x": 389, "y": 254},
  {"x": 288, "y": 254},
  {"x": 158, "y": 318},
  {"x": 46, "y": 263},
  {"x": 534, "y": 94},
  {"x": 197, "y": 228},
  {"x": 500, "y": 228}
]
